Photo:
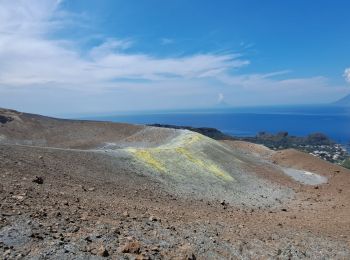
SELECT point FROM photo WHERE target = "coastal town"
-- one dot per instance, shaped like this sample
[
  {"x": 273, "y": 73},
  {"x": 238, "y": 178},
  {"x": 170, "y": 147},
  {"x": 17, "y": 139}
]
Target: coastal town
[
  {"x": 316, "y": 144},
  {"x": 333, "y": 153}
]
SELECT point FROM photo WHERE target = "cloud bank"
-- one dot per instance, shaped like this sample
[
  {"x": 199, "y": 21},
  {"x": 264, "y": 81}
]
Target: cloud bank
[{"x": 29, "y": 56}]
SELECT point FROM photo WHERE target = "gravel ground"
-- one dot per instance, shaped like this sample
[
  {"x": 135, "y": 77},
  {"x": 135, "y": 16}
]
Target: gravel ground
[{"x": 87, "y": 190}]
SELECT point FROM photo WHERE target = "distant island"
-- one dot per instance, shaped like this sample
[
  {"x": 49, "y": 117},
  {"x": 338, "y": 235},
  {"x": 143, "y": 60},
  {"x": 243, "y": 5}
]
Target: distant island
[{"x": 345, "y": 101}]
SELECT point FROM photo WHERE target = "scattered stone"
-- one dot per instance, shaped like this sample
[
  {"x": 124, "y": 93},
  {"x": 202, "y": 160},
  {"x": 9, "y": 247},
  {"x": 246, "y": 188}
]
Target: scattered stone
[
  {"x": 38, "y": 180},
  {"x": 102, "y": 251},
  {"x": 131, "y": 247},
  {"x": 126, "y": 214},
  {"x": 7, "y": 253},
  {"x": 88, "y": 239},
  {"x": 75, "y": 229},
  {"x": 116, "y": 231},
  {"x": 18, "y": 197},
  {"x": 142, "y": 256},
  {"x": 91, "y": 189},
  {"x": 155, "y": 249},
  {"x": 152, "y": 218},
  {"x": 81, "y": 187},
  {"x": 223, "y": 203},
  {"x": 84, "y": 216}
]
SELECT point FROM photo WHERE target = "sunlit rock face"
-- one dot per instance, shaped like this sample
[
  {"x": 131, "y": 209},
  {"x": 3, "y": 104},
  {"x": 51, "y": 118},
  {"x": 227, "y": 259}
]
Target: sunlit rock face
[
  {"x": 184, "y": 155},
  {"x": 185, "y": 163},
  {"x": 196, "y": 165}
]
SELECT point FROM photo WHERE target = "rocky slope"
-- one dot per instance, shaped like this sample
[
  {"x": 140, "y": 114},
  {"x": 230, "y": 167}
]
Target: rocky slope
[{"x": 84, "y": 189}]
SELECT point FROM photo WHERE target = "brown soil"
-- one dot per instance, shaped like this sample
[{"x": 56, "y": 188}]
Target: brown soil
[{"x": 75, "y": 204}]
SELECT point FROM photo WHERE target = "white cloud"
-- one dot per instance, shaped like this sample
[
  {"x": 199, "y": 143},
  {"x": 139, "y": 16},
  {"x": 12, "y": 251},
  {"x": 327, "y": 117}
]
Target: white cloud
[
  {"x": 267, "y": 82},
  {"x": 31, "y": 58},
  {"x": 23, "y": 17},
  {"x": 347, "y": 74},
  {"x": 109, "y": 46}
]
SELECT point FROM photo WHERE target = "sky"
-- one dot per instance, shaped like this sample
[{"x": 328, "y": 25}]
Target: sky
[{"x": 87, "y": 56}]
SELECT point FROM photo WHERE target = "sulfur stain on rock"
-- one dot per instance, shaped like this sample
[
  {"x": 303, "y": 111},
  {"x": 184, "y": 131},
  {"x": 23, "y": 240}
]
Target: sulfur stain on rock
[
  {"x": 209, "y": 166},
  {"x": 181, "y": 156},
  {"x": 147, "y": 157}
]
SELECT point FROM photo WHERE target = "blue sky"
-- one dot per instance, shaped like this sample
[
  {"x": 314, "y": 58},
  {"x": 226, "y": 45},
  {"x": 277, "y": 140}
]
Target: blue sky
[{"x": 84, "y": 56}]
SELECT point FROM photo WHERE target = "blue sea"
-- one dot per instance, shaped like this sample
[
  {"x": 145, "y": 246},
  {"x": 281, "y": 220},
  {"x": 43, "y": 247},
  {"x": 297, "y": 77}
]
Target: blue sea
[{"x": 296, "y": 120}]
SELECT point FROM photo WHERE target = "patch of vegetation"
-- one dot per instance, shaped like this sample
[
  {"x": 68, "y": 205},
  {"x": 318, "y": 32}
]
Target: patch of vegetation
[
  {"x": 283, "y": 140},
  {"x": 316, "y": 144},
  {"x": 346, "y": 163}
]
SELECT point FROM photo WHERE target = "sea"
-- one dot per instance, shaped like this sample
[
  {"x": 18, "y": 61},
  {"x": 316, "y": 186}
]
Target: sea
[{"x": 296, "y": 120}]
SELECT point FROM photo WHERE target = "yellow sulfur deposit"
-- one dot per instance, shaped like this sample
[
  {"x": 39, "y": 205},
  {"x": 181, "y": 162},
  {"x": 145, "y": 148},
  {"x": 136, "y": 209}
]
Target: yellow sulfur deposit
[
  {"x": 209, "y": 166},
  {"x": 180, "y": 157},
  {"x": 146, "y": 156}
]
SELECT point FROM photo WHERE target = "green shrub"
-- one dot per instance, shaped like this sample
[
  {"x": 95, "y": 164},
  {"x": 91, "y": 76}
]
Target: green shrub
[{"x": 346, "y": 163}]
